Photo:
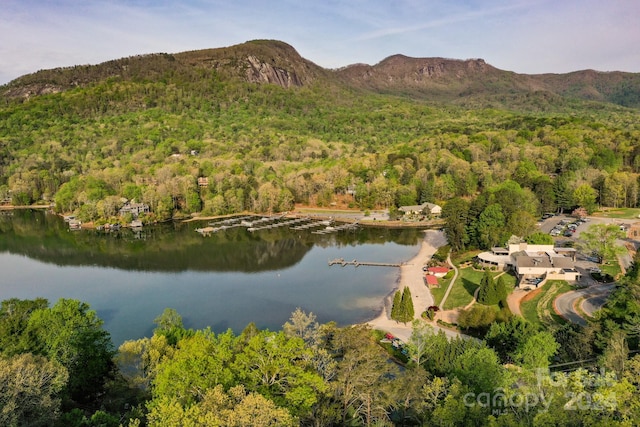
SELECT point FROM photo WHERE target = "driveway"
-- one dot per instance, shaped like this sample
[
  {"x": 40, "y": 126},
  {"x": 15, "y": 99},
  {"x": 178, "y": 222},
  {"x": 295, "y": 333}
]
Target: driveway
[{"x": 593, "y": 298}]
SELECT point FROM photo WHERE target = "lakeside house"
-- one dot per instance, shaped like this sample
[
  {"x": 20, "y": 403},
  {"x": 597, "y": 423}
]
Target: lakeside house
[
  {"x": 532, "y": 264},
  {"x": 133, "y": 208},
  {"x": 429, "y": 209}
]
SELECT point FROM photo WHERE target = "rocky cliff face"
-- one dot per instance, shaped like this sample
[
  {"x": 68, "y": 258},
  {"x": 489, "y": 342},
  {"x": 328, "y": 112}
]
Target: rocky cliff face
[{"x": 261, "y": 72}]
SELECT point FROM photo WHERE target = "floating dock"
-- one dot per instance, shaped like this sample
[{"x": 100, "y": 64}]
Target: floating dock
[{"x": 330, "y": 229}]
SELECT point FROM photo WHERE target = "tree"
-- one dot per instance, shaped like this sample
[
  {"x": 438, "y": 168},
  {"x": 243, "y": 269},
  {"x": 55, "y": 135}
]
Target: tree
[
  {"x": 30, "y": 389},
  {"x": 280, "y": 368},
  {"x": 169, "y": 324},
  {"x": 506, "y": 337},
  {"x": 302, "y": 325},
  {"x": 138, "y": 360},
  {"x": 539, "y": 238},
  {"x": 71, "y": 334},
  {"x": 455, "y": 214},
  {"x": 200, "y": 362},
  {"x": 480, "y": 369},
  {"x": 14, "y": 320},
  {"x": 363, "y": 379},
  {"x": 404, "y": 311},
  {"x": 585, "y": 196},
  {"x": 536, "y": 350},
  {"x": 396, "y": 307},
  {"x": 521, "y": 223},
  {"x": 491, "y": 226},
  {"x": 600, "y": 240},
  {"x": 420, "y": 341},
  {"x": 487, "y": 293}
]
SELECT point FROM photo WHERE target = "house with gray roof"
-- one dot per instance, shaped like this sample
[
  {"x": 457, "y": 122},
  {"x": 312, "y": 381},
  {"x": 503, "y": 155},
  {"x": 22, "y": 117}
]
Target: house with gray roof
[{"x": 532, "y": 262}]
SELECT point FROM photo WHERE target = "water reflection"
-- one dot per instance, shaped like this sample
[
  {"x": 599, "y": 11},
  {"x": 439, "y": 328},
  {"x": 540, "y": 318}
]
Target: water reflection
[{"x": 224, "y": 281}]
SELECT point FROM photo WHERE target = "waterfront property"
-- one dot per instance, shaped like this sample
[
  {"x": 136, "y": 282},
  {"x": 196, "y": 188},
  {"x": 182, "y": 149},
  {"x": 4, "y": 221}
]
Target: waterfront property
[
  {"x": 532, "y": 264},
  {"x": 428, "y": 209}
]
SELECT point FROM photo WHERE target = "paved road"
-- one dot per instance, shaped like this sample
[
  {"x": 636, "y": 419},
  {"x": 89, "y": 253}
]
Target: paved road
[{"x": 594, "y": 297}]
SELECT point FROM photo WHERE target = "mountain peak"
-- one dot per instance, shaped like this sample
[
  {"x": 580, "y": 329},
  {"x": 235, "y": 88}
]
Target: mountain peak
[{"x": 276, "y": 62}]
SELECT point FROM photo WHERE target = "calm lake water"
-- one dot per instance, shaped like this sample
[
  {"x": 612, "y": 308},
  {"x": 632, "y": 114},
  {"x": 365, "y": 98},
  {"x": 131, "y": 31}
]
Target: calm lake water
[{"x": 224, "y": 281}]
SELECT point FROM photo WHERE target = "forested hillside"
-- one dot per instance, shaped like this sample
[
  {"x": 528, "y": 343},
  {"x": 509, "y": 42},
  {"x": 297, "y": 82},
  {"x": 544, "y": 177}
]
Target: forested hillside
[{"x": 268, "y": 129}]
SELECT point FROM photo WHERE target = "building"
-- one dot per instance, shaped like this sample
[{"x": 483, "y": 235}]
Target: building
[
  {"x": 429, "y": 209},
  {"x": 532, "y": 264},
  {"x": 437, "y": 271},
  {"x": 431, "y": 281},
  {"x": 135, "y": 209}
]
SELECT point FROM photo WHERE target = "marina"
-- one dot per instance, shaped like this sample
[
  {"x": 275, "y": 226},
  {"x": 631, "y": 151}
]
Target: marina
[{"x": 275, "y": 221}]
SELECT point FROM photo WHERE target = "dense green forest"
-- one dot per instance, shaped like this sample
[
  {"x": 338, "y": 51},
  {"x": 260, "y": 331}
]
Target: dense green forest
[{"x": 263, "y": 147}]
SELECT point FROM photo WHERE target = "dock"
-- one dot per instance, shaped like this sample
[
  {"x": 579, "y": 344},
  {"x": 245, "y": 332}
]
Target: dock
[
  {"x": 257, "y": 223},
  {"x": 311, "y": 225},
  {"x": 279, "y": 224},
  {"x": 356, "y": 263},
  {"x": 330, "y": 229}
]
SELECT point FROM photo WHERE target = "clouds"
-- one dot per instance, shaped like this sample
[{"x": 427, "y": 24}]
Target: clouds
[{"x": 530, "y": 36}]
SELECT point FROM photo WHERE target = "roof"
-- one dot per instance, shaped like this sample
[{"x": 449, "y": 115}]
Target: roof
[
  {"x": 431, "y": 280},
  {"x": 562, "y": 262},
  {"x": 415, "y": 208},
  {"x": 438, "y": 269}
]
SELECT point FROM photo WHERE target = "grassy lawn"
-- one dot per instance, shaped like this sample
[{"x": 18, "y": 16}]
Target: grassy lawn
[
  {"x": 438, "y": 293},
  {"x": 465, "y": 286},
  {"x": 539, "y": 309},
  {"x": 463, "y": 289},
  {"x": 611, "y": 268},
  {"x": 621, "y": 213}
]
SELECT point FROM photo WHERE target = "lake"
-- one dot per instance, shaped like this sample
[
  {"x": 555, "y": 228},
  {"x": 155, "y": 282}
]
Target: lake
[{"x": 226, "y": 280}]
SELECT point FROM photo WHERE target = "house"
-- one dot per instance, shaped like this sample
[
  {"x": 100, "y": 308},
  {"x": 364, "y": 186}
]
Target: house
[
  {"x": 133, "y": 208},
  {"x": 437, "y": 271},
  {"x": 431, "y": 281},
  {"x": 430, "y": 209},
  {"x": 532, "y": 262},
  {"x": 203, "y": 181}
]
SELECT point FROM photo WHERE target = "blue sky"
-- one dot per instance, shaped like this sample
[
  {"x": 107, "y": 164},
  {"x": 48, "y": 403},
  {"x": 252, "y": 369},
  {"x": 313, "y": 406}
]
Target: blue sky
[{"x": 525, "y": 36}]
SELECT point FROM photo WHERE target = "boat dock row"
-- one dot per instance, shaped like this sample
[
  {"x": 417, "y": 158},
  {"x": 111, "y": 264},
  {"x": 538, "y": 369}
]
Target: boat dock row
[
  {"x": 314, "y": 224},
  {"x": 330, "y": 229},
  {"x": 279, "y": 224},
  {"x": 356, "y": 263},
  {"x": 229, "y": 221},
  {"x": 269, "y": 222}
]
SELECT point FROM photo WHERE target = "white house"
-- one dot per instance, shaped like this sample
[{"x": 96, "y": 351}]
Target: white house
[
  {"x": 423, "y": 209},
  {"x": 533, "y": 262}
]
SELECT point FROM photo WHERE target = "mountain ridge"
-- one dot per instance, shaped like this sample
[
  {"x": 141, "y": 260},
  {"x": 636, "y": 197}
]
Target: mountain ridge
[{"x": 276, "y": 62}]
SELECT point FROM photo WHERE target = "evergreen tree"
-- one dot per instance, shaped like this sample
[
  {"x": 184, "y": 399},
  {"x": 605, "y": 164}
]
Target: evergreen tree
[
  {"x": 501, "y": 289},
  {"x": 486, "y": 294},
  {"x": 396, "y": 307},
  {"x": 406, "y": 303}
]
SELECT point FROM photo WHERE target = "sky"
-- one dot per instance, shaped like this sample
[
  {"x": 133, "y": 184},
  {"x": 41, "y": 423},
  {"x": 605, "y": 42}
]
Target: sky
[{"x": 524, "y": 36}]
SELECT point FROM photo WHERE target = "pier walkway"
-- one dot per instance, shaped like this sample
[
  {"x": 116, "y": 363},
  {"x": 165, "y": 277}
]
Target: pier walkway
[{"x": 356, "y": 263}]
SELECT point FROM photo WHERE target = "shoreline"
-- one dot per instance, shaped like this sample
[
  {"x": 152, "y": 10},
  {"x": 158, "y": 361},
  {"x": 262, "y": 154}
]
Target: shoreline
[{"x": 411, "y": 276}]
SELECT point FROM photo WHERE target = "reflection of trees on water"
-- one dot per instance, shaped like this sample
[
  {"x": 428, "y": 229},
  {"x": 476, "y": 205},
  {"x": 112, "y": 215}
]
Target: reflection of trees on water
[{"x": 175, "y": 246}]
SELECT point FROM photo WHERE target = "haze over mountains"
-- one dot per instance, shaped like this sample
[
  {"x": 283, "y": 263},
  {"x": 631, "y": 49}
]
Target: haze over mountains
[{"x": 471, "y": 82}]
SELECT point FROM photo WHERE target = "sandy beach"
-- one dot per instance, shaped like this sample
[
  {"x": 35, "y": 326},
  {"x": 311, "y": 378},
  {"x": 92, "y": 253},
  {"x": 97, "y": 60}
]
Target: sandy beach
[{"x": 411, "y": 275}]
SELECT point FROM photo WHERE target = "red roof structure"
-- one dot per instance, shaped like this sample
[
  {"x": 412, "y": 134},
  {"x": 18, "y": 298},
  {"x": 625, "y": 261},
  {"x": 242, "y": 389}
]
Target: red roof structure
[
  {"x": 438, "y": 270},
  {"x": 431, "y": 280}
]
